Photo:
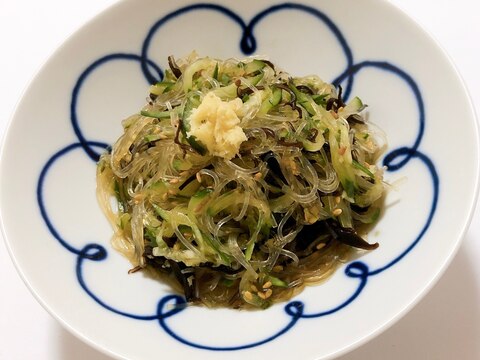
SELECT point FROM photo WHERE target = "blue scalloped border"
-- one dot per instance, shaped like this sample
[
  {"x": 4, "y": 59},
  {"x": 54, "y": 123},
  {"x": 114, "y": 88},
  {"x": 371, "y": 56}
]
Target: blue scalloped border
[{"x": 395, "y": 160}]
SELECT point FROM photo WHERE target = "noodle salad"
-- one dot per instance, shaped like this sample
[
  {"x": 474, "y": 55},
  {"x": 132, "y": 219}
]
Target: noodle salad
[{"x": 239, "y": 184}]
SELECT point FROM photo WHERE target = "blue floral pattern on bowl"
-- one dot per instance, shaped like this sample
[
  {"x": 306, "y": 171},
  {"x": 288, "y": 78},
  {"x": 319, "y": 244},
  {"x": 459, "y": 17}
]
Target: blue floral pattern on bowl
[{"x": 395, "y": 160}]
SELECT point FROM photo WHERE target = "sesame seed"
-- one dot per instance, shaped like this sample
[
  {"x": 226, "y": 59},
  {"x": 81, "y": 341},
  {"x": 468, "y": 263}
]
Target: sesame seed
[
  {"x": 248, "y": 295},
  {"x": 254, "y": 288},
  {"x": 258, "y": 176},
  {"x": 267, "y": 285},
  {"x": 165, "y": 196},
  {"x": 320, "y": 246},
  {"x": 261, "y": 295},
  {"x": 337, "y": 212},
  {"x": 268, "y": 293},
  {"x": 199, "y": 177},
  {"x": 174, "y": 181},
  {"x": 278, "y": 268},
  {"x": 172, "y": 191},
  {"x": 337, "y": 199},
  {"x": 137, "y": 198}
]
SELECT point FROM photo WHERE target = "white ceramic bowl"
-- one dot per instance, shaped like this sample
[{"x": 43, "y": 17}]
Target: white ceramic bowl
[{"x": 59, "y": 239}]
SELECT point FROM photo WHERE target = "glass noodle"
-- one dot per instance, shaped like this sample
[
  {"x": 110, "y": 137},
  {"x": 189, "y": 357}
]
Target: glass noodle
[{"x": 252, "y": 226}]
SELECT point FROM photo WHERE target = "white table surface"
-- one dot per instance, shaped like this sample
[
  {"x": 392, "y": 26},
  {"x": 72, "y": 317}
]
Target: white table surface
[{"x": 444, "y": 325}]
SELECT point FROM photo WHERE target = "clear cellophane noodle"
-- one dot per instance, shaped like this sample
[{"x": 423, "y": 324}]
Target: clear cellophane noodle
[{"x": 240, "y": 241}]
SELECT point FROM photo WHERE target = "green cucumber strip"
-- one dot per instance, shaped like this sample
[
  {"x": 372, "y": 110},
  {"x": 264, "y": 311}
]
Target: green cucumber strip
[
  {"x": 156, "y": 114},
  {"x": 152, "y": 137},
  {"x": 349, "y": 187},
  {"x": 191, "y": 103},
  {"x": 150, "y": 234},
  {"x": 181, "y": 165},
  {"x": 216, "y": 246},
  {"x": 225, "y": 79},
  {"x": 198, "y": 199},
  {"x": 232, "y": 197},
  {"x": 354, "y": 106},
  {"x": 161, "y": 87},
  {"x": 359, "y": 166},
  {"x": 197, "y": 145},
  {"x": 185, "y": 222},
  {"x": 273, "y": 100},
  {"x": 124, "y": 220},
  {"x": 320, "y": 99},
  {"x": 164, "y": 214},
  {"x": 249, "y": 250},
  {"x": 277, "y": 282},
  {"x": 375, "y": 216},
  {"x": 254, "y": 66},
  {"x": 120, "y": 196},
  {"x": 189, "y": 73},
  {"x": 303, "y": 99},
  {"x": 161, "y": 184},
  {"x": 190, "y": 189},
  {"x": 228, "y": 92},
  {"x": 255, "y": 79}
]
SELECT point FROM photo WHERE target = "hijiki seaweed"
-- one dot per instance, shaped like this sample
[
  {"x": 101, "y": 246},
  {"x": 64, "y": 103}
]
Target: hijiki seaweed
[{"x": 239, "y": 184}]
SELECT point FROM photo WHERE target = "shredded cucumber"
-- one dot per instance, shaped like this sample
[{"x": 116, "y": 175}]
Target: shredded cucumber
[{"x": 240, "y": 183}]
